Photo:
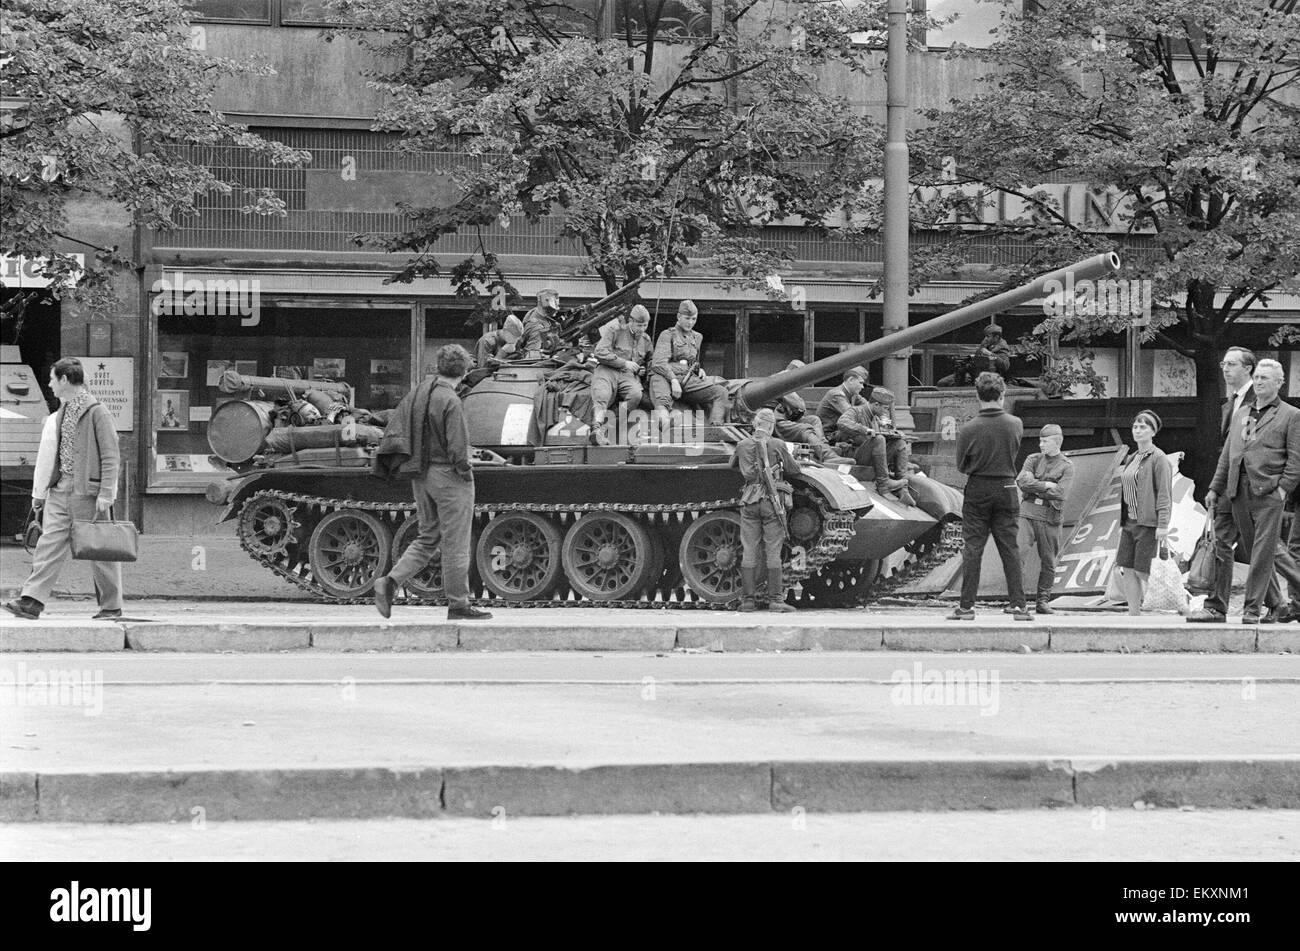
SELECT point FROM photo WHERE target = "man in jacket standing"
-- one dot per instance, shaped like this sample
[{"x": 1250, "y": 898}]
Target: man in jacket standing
[
  {"x": 986, "y": 452},
  {"x": 427, "y": 440},
  {"x": 1258, "y": 468},
  {"x": 1045, "y": 481},
  {"x": 75, "y": 478}
]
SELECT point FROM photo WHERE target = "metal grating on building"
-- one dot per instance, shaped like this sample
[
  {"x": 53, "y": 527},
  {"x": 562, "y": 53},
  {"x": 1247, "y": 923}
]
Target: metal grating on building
[{"x": 356, "y": 176}]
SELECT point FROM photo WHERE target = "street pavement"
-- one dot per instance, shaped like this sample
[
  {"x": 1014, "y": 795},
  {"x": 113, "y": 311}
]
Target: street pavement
[
  {"x": 1074, "y": 835},
  {"x": 154, "y": 736}
]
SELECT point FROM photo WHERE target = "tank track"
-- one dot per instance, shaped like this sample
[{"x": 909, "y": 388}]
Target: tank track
[
  {"x": 843, "y": 588},
  {"x": 837, "y": 530}
]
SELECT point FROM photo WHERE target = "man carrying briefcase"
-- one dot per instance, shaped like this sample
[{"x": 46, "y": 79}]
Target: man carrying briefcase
[{"x": 75, "y": 478}]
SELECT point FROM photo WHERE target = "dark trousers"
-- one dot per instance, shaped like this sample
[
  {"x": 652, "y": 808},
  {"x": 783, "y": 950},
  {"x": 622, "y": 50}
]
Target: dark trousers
[
  {"x": 760, "y": 530},
  {"x": 1225, "y": 540},
  {"x": 1046, "y": 537},
  {"x": 990, "y": 507},
  {"x": 1293, "y": 552},
  {"x": 1255, "y": 522},
  {"x": 888, "y": 455},
  {"x": 444, "y": 503}
]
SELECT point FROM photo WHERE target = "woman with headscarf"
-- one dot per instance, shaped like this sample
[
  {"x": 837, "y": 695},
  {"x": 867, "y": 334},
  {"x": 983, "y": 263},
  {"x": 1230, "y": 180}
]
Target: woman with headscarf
[{"x": 1146, "y": 482}]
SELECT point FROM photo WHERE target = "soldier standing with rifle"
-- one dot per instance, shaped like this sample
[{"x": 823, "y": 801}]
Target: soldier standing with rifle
[{"x": 766, "y": 498}]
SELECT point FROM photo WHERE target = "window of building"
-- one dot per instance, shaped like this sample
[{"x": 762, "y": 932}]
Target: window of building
[
  {"x": 444, "y": 325},
  {"x": 231, "y": 11},
  {"x": 669, "y": 17},
  {"x": 367, "y": 347},
  {"x": 773, "y": 340},
  {"x": 976, "y": 22}
]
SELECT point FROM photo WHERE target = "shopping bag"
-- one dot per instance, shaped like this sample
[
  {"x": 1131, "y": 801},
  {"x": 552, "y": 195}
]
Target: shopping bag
[
  {"x": 1114, "y": 592},
  {"x": 1165, "y": 591},
  {"x": 1200, "y": 574},
  {"x": 104, "y": 540}
]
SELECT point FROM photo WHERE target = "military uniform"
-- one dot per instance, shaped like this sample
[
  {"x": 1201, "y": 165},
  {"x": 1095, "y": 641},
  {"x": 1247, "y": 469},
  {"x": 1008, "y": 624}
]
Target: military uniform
[
  {"x": 612, "y": 379},
  {"x": 1040, "y": 512},
  {"x": 761, "y": 519},
  {"x": 875, "y": 443},
  {"x": 541, "y": 336},
  {"x": 677, "y": 357},
  {"x": 833, "y": 405}
]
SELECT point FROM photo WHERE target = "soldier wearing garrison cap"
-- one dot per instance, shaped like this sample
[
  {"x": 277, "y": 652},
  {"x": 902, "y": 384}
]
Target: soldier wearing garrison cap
[
  {"x": 675, "y": 371},
  {"x": 876, "y": 442},
  {"x": 621, "y": 354},
  {"x": 764, "y": 463},
  {"x": 1044, "y": 481},
  {"x": 795, "y": 424},
  {"x": 838, "y": 399}
]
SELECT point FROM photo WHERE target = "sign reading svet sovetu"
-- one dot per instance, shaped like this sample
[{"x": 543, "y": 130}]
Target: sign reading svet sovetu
[{"x": 112, "y": 380}]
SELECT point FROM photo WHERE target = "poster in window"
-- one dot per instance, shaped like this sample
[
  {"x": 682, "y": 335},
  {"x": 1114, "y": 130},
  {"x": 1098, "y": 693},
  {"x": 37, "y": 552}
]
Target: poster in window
[
  {"x": 215, "y": 369},
  {"x": 290, "y": 372},
  {"x": 386, "y": 395},
  {"x": 171, "y": 411},
  {"x": 387, "y": 367},
  {"x": 246, "y": 367},
  {"x": 328, "y": 368},
  {"x": 173, "y": 365}
]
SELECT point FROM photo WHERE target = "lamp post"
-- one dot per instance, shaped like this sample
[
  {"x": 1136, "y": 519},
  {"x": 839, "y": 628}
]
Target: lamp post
[{"x": 896, "y": 195}]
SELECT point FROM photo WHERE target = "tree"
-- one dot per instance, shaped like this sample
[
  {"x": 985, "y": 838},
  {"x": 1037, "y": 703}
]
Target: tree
[
  {"x": 103, "y": 92},
  {"x": 1187, "y": 109},
  {"x": 673, "y": 140}
]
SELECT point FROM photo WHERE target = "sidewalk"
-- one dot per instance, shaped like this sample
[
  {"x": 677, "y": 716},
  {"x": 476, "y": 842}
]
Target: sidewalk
[{"x": 166, "y": 625}]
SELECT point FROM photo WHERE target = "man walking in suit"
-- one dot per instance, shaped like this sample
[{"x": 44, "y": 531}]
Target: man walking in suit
[{"x": 1258, "y": 468}]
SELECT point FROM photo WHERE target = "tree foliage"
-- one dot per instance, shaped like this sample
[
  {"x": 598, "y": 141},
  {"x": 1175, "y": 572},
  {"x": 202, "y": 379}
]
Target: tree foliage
[
  {"x": 98, "y": 94},
  {"x": 672, "y": 138},
  {"x": 1186, "y": 107}
]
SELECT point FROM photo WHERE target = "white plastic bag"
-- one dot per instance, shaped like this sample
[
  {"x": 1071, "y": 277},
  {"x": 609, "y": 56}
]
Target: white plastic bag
[{"x": 1166, "y": 591}]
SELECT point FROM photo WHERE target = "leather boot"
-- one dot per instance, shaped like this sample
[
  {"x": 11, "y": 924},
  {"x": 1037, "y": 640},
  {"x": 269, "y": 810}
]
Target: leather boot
[
  {"x": 748, "y": 585},
  {"x": 776, "y": 593},
  {"x": 1043, "y": 607}
]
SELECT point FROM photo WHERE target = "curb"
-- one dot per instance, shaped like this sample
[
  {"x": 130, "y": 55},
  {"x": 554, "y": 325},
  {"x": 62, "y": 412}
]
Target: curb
[
  {"x": 516, "y": 634},
  {"x": 498, "y": 792}
]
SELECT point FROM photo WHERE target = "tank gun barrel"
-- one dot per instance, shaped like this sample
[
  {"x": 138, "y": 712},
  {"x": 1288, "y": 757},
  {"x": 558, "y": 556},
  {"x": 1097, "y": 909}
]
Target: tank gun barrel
[{"x": 757, "y": 393}]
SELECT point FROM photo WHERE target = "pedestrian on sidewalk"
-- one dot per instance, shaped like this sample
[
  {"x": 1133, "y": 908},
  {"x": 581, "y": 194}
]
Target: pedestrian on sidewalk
[
  {"x": 1044, "y": 481},
  {"x": 1258, "y": 468},
  {"x": 764, "y": 464},
  {"x": 75, "y": 477},
  {"x": 427, "y": 441},
  {"x": 987, "y": 447},
  {"x": 1146, "y": 501}
]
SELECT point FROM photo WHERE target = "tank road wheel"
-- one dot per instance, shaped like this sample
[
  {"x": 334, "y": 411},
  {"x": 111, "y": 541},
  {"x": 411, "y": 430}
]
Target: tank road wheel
[
  {"x": 518, "y": 556},
  {"x": 266, "y": 523},
  {"x": 348, "y": 550},
  {"x": 428, "y": 583},
  {"x": 710, "y": 557},
  {"x": 609, "y": 557}
]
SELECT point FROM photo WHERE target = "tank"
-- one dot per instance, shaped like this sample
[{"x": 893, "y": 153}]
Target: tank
[
  {"x": 22, "y": 416},
  {"x": 642, "y": 523}
]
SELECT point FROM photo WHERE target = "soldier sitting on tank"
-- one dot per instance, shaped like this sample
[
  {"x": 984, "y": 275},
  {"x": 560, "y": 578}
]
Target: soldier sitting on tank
[
  {"x": 541, "y": 331},
  {"x": 497, "y": 346},
  {"x": 675, "y": 372},
  {"x": 795, "y": 424},
  {"x": 870, "y": 431},
  {"x": 764, "y": 464},
  {"x": 838, "y": 399},
  {"x": 620, "y": 354},
  {"x": 993, "y": 355}
]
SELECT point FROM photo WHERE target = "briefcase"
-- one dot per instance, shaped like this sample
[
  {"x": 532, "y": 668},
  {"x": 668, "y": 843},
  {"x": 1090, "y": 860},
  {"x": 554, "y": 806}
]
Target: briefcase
[{"x": 104, "y": 540}]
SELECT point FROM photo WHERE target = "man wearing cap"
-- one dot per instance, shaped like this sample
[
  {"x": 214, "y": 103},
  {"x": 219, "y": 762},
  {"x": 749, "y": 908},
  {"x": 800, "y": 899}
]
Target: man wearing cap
[
  {"x": 1044, "y": 481},
  {"x": 869, "y": 428},
  {"x": 764, "y": 464},
  {"x": 675, "y": 371},
  {"x": 541, "y": 331},
  {"x": 620, "y": 354},
  {"x": 795, "y": 424},
  {"x": 994, "y": 354},
  {"x": 838, "y": 399}
]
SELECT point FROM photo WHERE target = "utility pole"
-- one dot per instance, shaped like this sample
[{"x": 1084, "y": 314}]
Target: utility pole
[{"x": 896, "y": 231}]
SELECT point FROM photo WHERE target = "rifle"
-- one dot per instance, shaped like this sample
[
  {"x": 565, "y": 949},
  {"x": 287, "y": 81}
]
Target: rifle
[{"x": 774, "y": 495}]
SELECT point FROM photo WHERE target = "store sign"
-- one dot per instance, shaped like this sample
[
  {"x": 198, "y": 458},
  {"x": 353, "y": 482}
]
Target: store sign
[
  {"x": 112, "y": 380},
  {"x": 24, "y": 272}
]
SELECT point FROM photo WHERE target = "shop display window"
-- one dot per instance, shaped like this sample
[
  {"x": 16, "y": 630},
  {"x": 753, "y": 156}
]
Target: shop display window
[{"x": 368, "y": 348}]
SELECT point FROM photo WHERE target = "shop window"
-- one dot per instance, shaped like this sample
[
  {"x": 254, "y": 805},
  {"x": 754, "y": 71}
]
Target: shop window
[
  {"x": 669, "y": 17},
  {"x": 719, "y": 331},
  {"x": 774, "y": 340},
  {"x": 304, "y": 11},
  {"x": 368, "y": 348},
  {"x": 443, "y": 325},
  {"x": 231, "y": 11},
  {"x": 834, "y": 333}
]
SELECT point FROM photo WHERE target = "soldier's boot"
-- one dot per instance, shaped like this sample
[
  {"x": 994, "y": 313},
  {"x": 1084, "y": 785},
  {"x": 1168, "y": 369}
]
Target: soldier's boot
[
  {"x": 823, "y": 453},
  {"x": 894, "y": 487},
  {"x": 598, "y": 436},
  {"x": 776, "y": 593},
  {"x": 1043, "y": 606},
  {"x": 748, "y": 585}
]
